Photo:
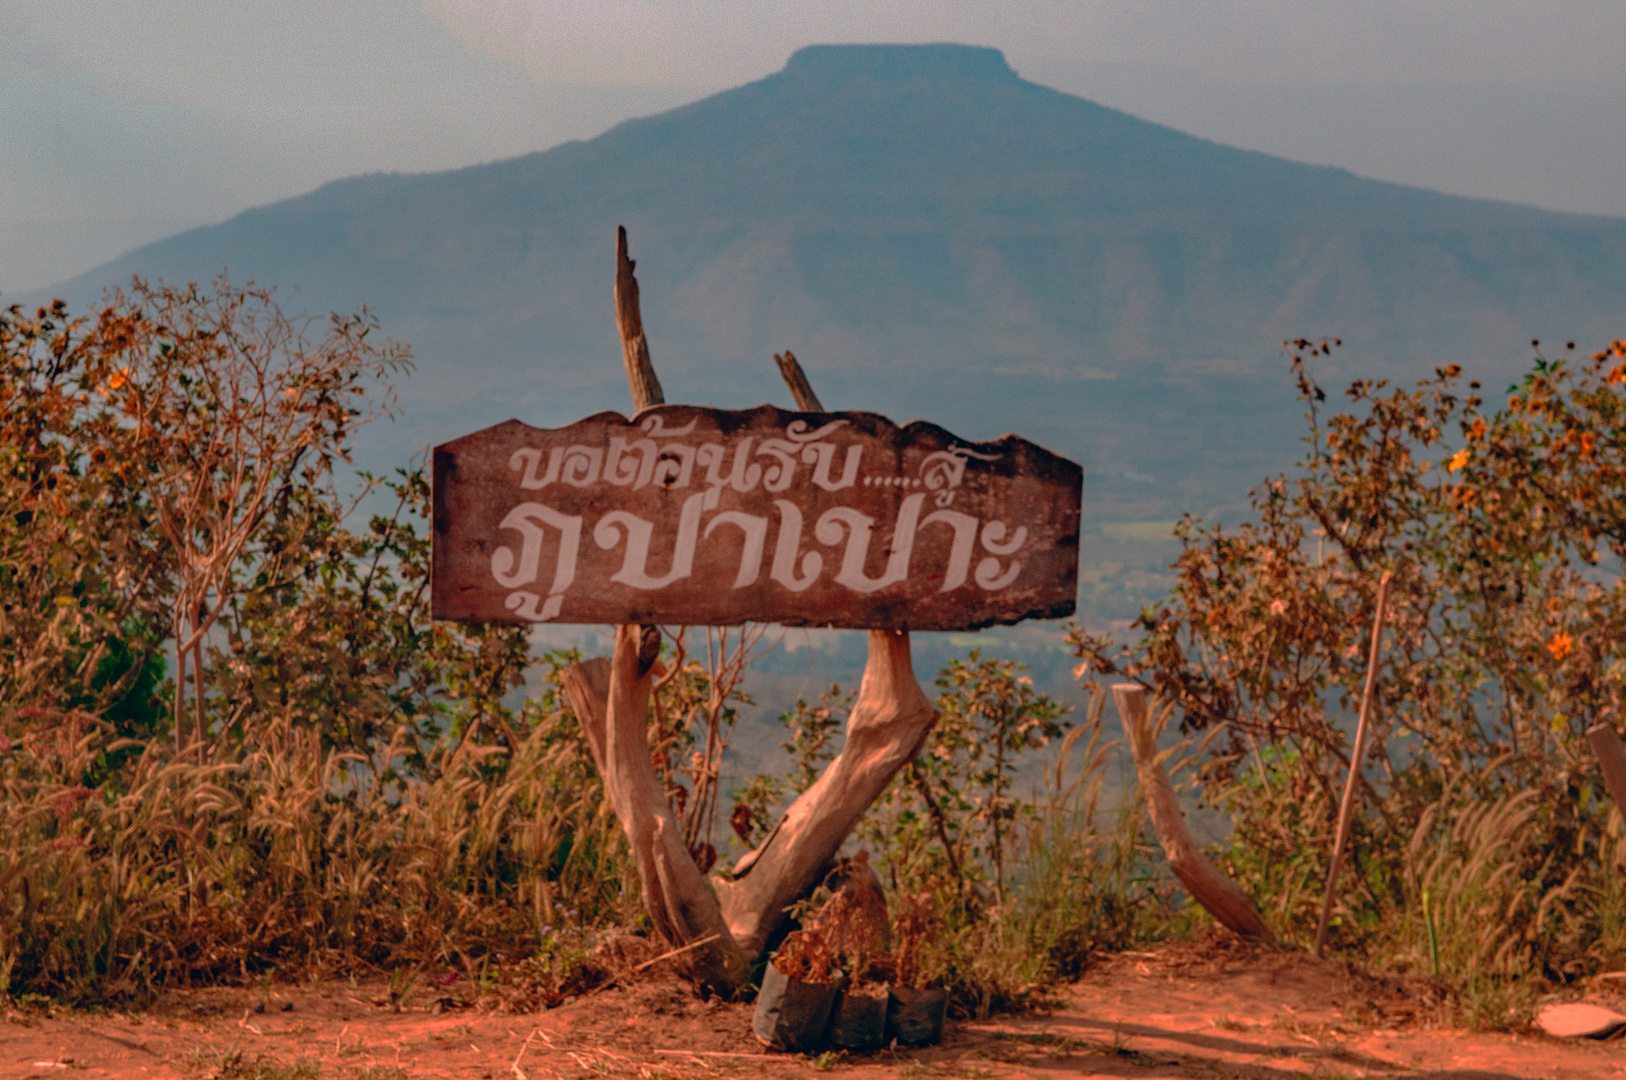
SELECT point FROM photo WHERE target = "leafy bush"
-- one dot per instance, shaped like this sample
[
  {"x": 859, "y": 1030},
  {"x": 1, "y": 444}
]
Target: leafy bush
[
  {"x": 998, "y": 893},
  {"x": 348, "y": 783},
  {"x": 1505, "y": 641}
]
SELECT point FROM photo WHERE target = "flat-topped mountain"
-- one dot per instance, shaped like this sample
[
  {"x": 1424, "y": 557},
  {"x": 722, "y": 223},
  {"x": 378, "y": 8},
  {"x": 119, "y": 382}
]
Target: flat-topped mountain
[{"x": 935, "y": 238}]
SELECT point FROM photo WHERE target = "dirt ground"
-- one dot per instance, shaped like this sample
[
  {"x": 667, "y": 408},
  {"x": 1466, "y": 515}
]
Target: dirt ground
[{"x": 1190, "y": 1010}]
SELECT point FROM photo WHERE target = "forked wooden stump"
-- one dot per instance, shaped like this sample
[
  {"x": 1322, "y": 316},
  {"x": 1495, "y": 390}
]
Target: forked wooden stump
[
  {"x": 729, "y": 927},
  {"x": 887, "y": 727}
]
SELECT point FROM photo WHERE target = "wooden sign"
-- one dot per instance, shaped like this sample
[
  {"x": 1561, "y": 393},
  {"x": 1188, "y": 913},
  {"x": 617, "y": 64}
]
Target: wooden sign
[{"x": 694, "y": 516}]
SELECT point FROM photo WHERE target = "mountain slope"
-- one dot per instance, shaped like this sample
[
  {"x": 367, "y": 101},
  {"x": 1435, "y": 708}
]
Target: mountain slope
[{"x": 934, "y": 237}]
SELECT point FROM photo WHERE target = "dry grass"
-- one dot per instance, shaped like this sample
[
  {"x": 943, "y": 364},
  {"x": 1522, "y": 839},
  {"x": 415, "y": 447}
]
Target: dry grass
[{"x": 292, "y": 857}]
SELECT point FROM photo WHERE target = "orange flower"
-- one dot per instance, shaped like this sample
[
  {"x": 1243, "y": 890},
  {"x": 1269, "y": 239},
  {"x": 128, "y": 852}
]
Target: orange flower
[
  {"x": 1458, "y": 460},
  {"x": 1561, "y": 645},
  {"x": 119, "y": 379}
]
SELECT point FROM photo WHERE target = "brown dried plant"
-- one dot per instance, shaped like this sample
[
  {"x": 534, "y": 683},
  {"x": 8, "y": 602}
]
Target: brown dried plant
[{"x": 806, "y": 955}]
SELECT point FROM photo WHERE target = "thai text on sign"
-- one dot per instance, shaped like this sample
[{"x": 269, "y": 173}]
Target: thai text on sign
[{"x": 698, "y": 516}]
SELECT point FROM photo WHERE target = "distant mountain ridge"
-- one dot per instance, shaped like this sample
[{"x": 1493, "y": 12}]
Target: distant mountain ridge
[{"x": 934, "y": 237}]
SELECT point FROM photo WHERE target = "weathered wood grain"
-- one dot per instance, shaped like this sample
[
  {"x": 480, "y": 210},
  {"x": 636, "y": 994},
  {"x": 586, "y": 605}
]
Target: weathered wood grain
[
  {"x": 886, "y": 729},
  {"x": 1222, "y": 897},
  {"x": 790, "y": 369},
  {"x": 701, "y": 516},
  {"x": 629, "y": 320}
]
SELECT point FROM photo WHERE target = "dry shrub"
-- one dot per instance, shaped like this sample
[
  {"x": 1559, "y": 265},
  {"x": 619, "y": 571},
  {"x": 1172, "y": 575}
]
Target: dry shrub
[
  {"x": 565, "y": 964},
  {"x": 854, "y": 920},
  {"x": 917, "y": 926},
  {"x": 1077, "y": 883},
  {"x": 349, "y": 785},
  {"x": 806, "y": 956},
  {"x": 843, "y": 926}
]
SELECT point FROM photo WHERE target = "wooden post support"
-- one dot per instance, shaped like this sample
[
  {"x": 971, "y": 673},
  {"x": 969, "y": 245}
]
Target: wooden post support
[
  {"x": 629, "y": 320},
  {"x": 587, "y": 685},
  {"x": 1222, "y": 897},
  {"x": 613, "y": 704},
  {"x": 886, "y": 730},
  {"x": 676, "y": 894},
  {"x": 796, "y": 379},
  {"x": 719, "y": 932},
  {"x": 1611, "y": 761},
  {"x": 1346, "y": 809}
]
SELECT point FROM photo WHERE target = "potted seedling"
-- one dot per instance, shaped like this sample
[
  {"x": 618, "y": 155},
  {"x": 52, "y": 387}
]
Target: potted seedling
[
  {"x": 915, "y": 1011},
  {"x": 854, "y": 921},
  {"x": 799, "y": 986}
]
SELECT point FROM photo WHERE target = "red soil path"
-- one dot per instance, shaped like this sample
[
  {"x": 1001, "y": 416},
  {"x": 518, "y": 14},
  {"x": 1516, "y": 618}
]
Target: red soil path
[{"x": 1184, "y": 1011}]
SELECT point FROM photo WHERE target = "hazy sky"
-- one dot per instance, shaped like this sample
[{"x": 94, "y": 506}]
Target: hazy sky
[{"x": 124, "y": 120}]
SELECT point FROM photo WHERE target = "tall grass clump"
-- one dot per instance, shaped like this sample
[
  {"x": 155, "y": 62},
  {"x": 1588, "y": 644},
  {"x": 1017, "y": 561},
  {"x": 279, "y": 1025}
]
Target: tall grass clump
[
  {"x": 1084, "y": 889},
  {"x": 285, "y": 855}
]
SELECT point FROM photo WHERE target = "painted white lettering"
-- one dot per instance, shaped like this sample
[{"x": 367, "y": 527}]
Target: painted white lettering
[
  {"x": 529, "y": 605},
  {"x": 742, "y": 478},
  {"x": 786, "y": 546},
  {"x": 635, "y": 567},
  {"x": 858, "y": 526},
  {"x": 796, "y": 430},
  {"x": 528, "y": 458},
  {"x": 823, "y": 454},
  {"x": 621, "y": 470},
  {"x": 581, "y": 465},
  {"x": 782, "y": 470},
  {"x": 943, "y": 470},
  {"x": 965, "y": 538},
  {"x": 655, "y": 427},
  {"x": 993, "y": 540},
  {"x": 511, "y": 572},
  {"x": 675, "y": 464}
]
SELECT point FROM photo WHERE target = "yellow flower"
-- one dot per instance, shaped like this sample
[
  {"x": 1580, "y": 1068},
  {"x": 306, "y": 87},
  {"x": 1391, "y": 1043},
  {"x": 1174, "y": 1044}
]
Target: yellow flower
[
  {"x": 1561, "y": 645},
  {"x": 1458, "y": 460}
]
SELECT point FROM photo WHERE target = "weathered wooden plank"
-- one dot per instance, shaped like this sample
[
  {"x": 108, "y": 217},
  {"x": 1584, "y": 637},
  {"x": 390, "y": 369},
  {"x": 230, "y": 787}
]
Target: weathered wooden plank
[{"x": 701, "y": 516}]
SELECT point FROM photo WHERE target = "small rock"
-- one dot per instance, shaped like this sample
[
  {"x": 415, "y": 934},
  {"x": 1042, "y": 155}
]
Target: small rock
[
  {"x": 287, "y": 1006},
  {"x": 1580, "y": 1021}
]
